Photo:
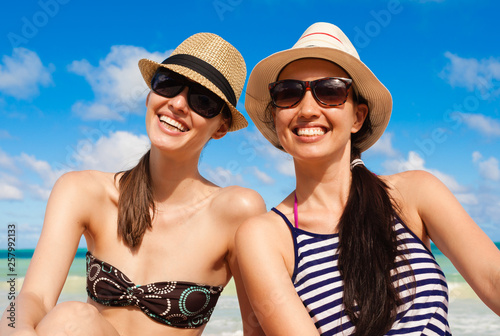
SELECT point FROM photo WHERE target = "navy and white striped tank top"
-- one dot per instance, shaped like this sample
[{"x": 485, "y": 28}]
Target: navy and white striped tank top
[{"x": 320, "y": 287}]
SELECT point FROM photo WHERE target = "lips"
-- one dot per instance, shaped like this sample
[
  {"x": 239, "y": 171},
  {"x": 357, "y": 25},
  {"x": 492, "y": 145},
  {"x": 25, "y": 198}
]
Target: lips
[
  {"x": 172, "y": 124},
  {"x": 309, "y": 131}
]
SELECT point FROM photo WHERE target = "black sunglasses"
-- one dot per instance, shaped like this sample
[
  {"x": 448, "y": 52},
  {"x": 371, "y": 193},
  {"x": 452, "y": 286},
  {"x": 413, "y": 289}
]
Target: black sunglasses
[
  {"x": 328, "y": 91},
  {"x": 204, "y": 102}
]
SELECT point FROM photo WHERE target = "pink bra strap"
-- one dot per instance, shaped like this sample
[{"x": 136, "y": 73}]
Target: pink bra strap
[{"x": 295, "y": 212}]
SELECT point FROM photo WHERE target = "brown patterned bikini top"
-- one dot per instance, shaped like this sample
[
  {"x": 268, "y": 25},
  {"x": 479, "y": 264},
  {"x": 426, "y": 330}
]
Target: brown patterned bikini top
[{"x": 175, "y": 303}]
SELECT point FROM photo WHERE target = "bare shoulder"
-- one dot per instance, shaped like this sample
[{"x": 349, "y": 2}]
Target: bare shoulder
[
  {"x": 85, "y": 176},
  {"x": 409, "y": 179},
  {"x": 239, "y": 202},
  {"x": 267, "y": 236},
  {"x": 264, "y": 225},
  {"x": 412, "y": 191},
  {"x": 412, "y": 185},
  {"x": 86, "y": 184},
  {"x": 267, "y": 228}
]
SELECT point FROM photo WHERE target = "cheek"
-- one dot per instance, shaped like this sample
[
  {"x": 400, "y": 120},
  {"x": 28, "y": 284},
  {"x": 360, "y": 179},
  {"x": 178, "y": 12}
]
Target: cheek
[
  {"x": 205, "y": 127},
  {"x": 282, "y": 118},
  {"x": 279, "y": 125},
  {"x": 149, "y": 119}
]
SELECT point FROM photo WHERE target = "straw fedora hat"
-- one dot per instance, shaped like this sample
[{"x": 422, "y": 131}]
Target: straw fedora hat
[
  {"x": 211, "y": 61},
  {"x": 325, "y": 41}
]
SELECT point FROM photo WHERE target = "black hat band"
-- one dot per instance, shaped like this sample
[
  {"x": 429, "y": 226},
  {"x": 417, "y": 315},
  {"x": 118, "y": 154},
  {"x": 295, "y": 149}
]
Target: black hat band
[{"x": 205, "y": 69}]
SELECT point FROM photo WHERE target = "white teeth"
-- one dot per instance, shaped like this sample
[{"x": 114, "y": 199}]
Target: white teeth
[
  {"x": 310, "y": 131},
  {"x": 173, "y": 123}
]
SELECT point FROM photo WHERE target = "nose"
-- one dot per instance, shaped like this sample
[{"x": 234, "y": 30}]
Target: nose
[
  {"x": 308, "y": 106},
  {"x": 179, "y": 103}
]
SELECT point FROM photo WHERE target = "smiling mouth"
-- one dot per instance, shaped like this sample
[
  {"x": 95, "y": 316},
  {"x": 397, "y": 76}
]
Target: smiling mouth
[
  {"x": 172, "y": 124},
  {"x": 309, "y": 131}
]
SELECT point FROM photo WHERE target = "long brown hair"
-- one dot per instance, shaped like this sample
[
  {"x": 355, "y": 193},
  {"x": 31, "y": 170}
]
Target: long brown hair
[
  {"x": 368, "y": 247},
  {"x": 136, "y": 206}
]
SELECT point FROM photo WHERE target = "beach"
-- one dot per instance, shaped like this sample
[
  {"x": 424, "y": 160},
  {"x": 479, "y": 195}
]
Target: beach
[{"x": 468, "y": 316}]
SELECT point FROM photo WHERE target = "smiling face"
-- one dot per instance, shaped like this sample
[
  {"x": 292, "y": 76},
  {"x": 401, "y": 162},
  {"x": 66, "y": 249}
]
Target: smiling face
[
  {"x": 308, "y": 129},
  {"x": 172, "y": 125}
]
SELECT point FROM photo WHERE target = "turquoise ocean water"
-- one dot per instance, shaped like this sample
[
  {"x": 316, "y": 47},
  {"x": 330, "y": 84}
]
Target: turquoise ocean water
[{"x": 467, "y": 314}]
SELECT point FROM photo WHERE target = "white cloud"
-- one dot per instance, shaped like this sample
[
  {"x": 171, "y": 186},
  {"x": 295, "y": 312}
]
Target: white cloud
[
  {"x": 95, "y": 111},
  {"x": 263, "y": 177},
  {"x": 223, "y": 177},
  {"x": 476, "y": 156},
  {"x": 415, "y": 162},
  {"x": 286, "y": 167},
  {"x": 4, "y": 134},
  {"x": 22, "y": 74},
  {"x": 9, "y": 188},
  {"x": 383, "y": 146},
  {"x": 118, "y": 151},
  {"x": 117, "y": 83},
  {"x": 14, "y": 188},
  {"x": 282, "y": 161},
  {"x": 471, "y": 73},
  {"x": 6, "y": 161},
  {"x": 487, "y": 210},
  {"x": 479, "y": 122},
  {"x": 45, "y": 171},
  {"x": 467, "y": 198},
  {"x": 10, "y": 192},
  {"x": 262, "y": 146},
  {"x": 42, "y": 168},
  {"x": 488, "y": 169},
  {"x": 39, "y": 192},
  {"x": 113, "y": 153}
]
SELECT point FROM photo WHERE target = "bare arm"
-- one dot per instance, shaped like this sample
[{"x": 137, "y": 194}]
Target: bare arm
[
  {"x": 251, "y": 326},
  {"x": 63, "y": 226},
  {"x": 455, "y": 233},
  {"x": 245, "y": 204},
  {"x": 267, "y": 280}
]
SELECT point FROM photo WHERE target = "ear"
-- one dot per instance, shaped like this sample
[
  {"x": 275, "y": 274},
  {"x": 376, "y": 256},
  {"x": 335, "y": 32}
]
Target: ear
[
  {"x": 361, "y": 111},
  {"x": 221, "y": 131}
]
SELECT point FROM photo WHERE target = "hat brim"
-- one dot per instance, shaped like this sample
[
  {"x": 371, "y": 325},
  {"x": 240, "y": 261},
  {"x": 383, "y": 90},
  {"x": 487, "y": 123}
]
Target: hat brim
[
  {"x": 365, "y": 82},
  {"x": 149, "y": 67}
]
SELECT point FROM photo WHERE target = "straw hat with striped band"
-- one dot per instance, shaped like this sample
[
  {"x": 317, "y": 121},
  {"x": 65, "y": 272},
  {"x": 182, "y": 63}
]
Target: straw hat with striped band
[
  {"x": 211, "y": 61},
  {"x": 325, "y": 41}
]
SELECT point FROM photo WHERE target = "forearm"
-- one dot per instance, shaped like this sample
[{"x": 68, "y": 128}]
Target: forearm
[
  {"x": 492, "y": 297},
  {"x": 266, "y": 279},
  {"x": 251, "y": 326}
]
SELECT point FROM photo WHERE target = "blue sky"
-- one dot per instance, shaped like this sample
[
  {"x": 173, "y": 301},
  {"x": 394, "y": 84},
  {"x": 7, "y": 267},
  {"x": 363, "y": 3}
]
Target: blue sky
[{"x": 72, "y": 98}]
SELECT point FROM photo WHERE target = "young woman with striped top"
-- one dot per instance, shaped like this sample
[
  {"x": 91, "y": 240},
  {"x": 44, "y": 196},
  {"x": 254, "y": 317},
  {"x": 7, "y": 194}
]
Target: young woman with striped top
[{"x": 354, "y": 245}]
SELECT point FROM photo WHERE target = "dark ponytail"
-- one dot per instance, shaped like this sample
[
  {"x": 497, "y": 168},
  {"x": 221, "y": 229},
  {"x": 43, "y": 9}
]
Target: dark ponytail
[
  {"x": 135, "y": 203},
  {"x": 368, "y": 248}
]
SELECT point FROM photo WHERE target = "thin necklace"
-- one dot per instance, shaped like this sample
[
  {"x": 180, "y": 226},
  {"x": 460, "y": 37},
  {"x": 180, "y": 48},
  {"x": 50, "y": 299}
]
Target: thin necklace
[{"x": 295, "y": 211}]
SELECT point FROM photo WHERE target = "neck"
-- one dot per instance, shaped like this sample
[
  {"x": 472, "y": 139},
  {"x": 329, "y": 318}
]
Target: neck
[
  {"x": 324, "y": 184},
  {"x": 172, "y": 178}
]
